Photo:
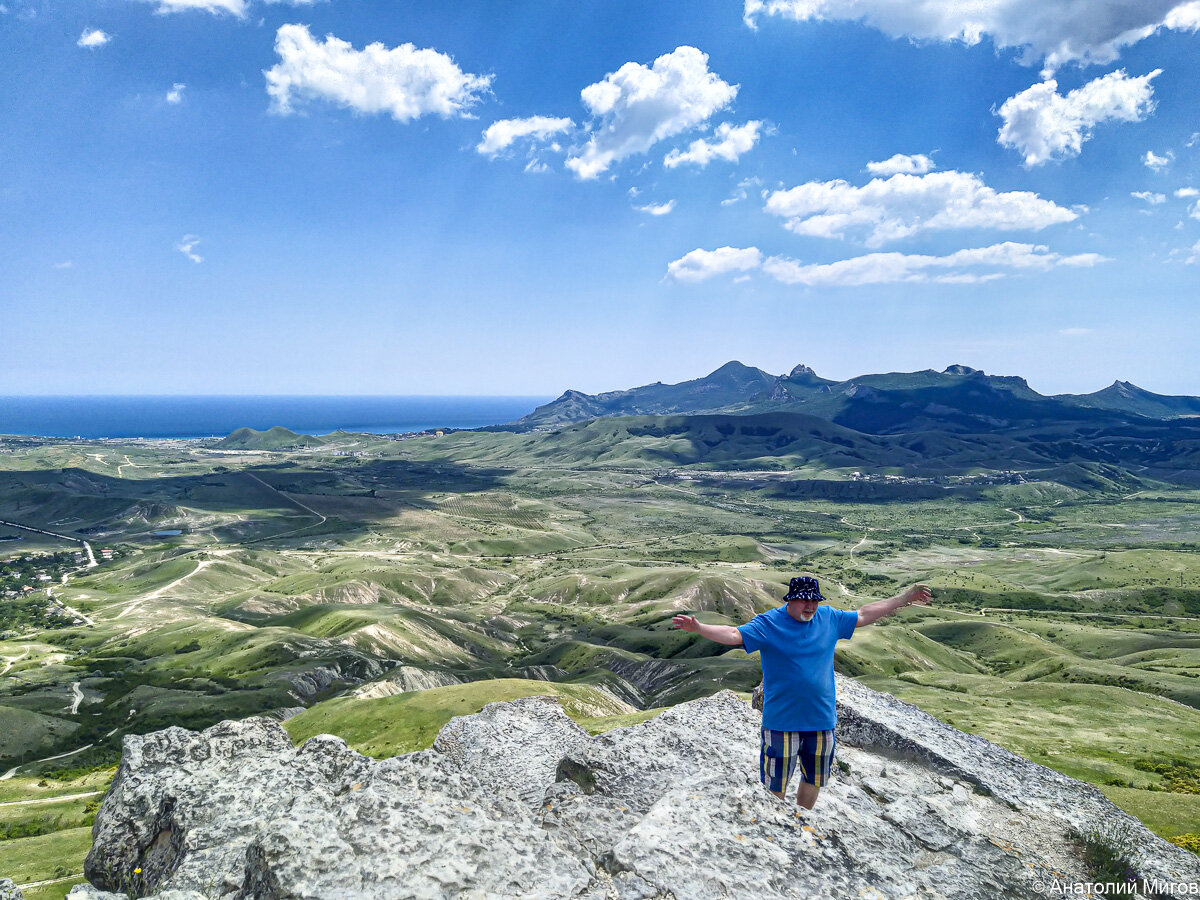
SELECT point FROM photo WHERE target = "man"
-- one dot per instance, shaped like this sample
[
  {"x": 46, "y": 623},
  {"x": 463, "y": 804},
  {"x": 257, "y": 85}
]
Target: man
[{"x": 795, "y": 642}]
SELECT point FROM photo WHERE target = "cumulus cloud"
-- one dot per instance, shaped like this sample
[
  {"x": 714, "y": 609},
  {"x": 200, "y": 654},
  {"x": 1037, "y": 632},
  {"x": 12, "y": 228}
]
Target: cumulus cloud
[
  {"x": 216, "y": 7},
  {"x": 730, "y": 143},
  {"x": 961, "y": 267},
  {"x": 1044, "y": 124},
  {"x": 175, "y": 94},
  {"x": 637, "y": 106},
  {"x": 1055, "y": 31},
  {"x": 888, "y": 209},
  {"x": 657, "y": 209},
  {"x": 93, "y": 38},
  {"x": 1185, "y": 17},
  {"x": 900, "y": 164},
  {"x": 700, "y": 265},
  {"x": 187, "y": 246},
  {"x": 1153, "y": 161},
  {"x": 1195, "y": 254},
  {"x": 404, "y": 81},
  {"x": 502, "y": 134},
  {"x": 1185, "y": 192}
]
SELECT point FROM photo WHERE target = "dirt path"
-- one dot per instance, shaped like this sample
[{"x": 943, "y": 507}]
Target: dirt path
[
  {"x": 77, "y": 697},
  {"x": 291, "y": 500},
  {"x": 200, "y": 566},
  {"x": 13, "y": 771},
  {"x": 33, "y": 884},
  {"x": 9, "y": 660},
  {"x": 128, "y": 464},
  {"x": 63, "y": 798}
]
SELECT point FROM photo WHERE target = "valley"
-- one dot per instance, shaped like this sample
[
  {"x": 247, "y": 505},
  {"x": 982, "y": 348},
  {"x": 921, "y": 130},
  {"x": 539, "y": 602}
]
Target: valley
[{"x": 374, "y": 588}]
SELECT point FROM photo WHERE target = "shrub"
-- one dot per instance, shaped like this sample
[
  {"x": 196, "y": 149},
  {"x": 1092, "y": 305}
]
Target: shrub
[{"x": 1187, "y": 842}]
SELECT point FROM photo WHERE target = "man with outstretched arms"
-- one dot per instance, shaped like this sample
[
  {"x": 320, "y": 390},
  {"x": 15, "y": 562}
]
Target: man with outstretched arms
[{"x": 795, "y": 643}]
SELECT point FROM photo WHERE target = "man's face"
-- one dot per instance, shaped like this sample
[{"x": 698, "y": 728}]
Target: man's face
[{"x": 806, "y": 609}]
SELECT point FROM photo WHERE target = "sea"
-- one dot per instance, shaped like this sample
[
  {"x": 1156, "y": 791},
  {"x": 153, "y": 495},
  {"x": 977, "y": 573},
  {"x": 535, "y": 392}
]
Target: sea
[{"x": 209, "y": 416}]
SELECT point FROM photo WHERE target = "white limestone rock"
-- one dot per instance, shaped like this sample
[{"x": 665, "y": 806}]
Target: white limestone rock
[{"x": 517, "y": 801}]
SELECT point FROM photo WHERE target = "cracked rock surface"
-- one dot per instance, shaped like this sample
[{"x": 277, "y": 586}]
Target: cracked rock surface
[{"x": 517, "y": 801}]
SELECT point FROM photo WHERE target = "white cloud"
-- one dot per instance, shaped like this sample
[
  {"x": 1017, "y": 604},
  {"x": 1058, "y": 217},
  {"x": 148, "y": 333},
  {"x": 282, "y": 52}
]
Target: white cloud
[
  {"x": 969, "y": 266},
  {"x": 187, "y": 246},
  {"x": 1044, "y": 124},
  {"x": 1185, "y": 17},
  {"x": 900, "y": 164},
  {"x": 1153, "y": 161},
  {"x": 657, "y": 209},
  {"x": 92, "y": 38},
  {"x": 731, "y": 142},
  {"x": 65, "y": 264},
  {"x": 232, "y": 7},
  {"x": 1149, "y": 197},
  {"x": 739, "y": 192},
  {"x": 1074, "y": 332},
  {"x": 501, "y": 135},
  {"x": 903, "y": 205},
  {"x": 175, "y": 94},
  {"x": 1185, "y": 192},
  {"x": 637, "y": 106},
  {"x": 961, "y": 267},
  {"x": 1194, "y": 256},
  {"x": 1056, "y": 31},
  {"x": 403, "y": 81},
  {"x": 700, "y": 265}
]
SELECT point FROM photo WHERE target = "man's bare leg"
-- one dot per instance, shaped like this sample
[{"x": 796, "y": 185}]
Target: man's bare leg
[{"x": 806, "y": 795}]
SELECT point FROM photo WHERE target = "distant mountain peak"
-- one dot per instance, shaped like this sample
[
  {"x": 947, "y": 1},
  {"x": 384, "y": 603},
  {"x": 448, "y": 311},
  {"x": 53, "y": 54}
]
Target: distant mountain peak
[
  {"x": 731, "y": 368},
  {"x": 801, "y": 370},
  {"x": 957, "y": 369}
]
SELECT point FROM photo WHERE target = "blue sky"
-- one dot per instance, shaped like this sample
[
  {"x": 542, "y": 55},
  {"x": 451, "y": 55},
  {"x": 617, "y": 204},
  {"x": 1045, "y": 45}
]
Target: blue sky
[{"x": 416, "y": 197}]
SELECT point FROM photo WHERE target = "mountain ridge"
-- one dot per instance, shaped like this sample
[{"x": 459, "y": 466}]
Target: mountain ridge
[{"x": 959, "y": 398}]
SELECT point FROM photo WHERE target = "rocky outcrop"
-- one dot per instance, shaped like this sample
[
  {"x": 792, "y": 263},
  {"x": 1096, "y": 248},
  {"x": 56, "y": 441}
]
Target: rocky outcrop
[
  {"x": 9, "y": 890},
  {"x": 517, "y": 801},
  {"x": 403, "y": 679}
]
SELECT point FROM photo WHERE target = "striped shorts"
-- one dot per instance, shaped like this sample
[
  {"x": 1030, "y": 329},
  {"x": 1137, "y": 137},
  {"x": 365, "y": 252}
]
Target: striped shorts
[{"x": 782, "y": 749}]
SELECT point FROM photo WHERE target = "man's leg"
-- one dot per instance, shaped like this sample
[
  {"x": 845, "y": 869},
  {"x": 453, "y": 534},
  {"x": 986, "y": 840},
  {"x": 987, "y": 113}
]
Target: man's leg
[
  {"x": 777, "y": 759},
  {"x": 816, "y": 759},
  {"x": 806, "y": 795}
]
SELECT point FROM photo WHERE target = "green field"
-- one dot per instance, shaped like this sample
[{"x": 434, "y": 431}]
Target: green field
[{"x": 1065, "y": 622}]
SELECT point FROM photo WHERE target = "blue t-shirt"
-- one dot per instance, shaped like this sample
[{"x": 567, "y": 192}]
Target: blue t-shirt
[{"x": 797, "y": 665}]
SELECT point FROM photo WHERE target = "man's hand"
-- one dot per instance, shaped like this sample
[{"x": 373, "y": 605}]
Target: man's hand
[
  {"x": 722, "y": 634},
  {"x": 687, "y": 623},
  {"x": 873, "y": 612},
  {"x": 918, "y": 593}
]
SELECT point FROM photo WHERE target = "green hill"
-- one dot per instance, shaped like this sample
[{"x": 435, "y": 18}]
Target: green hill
[
  {"x": 388, "y": 726},
  {"x": 277, "y": 438}
]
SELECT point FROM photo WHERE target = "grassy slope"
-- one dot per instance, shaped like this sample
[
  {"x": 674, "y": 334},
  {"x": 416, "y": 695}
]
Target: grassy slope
[
  {"x": 389, "y": 726},
  {"x": 45, "y": 856}
]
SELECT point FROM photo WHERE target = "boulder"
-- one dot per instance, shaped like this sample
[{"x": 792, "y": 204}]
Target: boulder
[{"x": 518, "y": 801}]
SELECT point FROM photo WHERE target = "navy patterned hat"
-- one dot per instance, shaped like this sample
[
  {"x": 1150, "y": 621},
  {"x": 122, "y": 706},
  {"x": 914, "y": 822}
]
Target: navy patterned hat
[{"x": 804, "y": 588}]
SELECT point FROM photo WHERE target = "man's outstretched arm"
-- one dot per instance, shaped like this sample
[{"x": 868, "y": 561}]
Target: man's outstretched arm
[
  {"x": 722, "y": 634},
  {"x": 873, "y": 612}
]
